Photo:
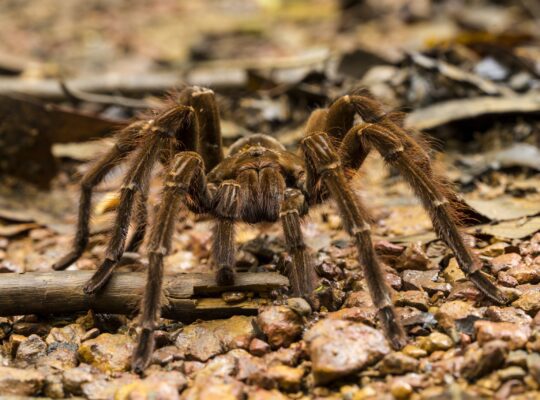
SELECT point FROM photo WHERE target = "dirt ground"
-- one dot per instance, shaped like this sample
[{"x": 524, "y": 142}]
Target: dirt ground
[{"x": 466, "y": 75}]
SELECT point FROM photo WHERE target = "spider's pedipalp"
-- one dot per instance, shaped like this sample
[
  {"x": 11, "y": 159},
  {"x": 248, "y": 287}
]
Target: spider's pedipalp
[
  {"x": 321, "y": 153},
  {"x": 183, "y": 179},
  {"x": 226, "y": 209},
  {"x": 125, "y": 144}
]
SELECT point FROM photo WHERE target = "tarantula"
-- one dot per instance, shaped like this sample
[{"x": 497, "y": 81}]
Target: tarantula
[{"x": 258, "y": 181}]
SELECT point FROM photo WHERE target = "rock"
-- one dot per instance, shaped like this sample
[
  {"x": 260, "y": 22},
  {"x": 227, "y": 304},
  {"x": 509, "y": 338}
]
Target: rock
[
  {"x": 517, "y": 357},
  {"x": 108, "y": 352},
  {"x": 414, "y": 351},
  {"x": 413, "y": 298},
  {"x": 280, "y": 324},
  {"x": 286, "y": 355},
  {"x": 31, "y": 349},
  {"x": 166, "y": 354},
  {"x": 72, "y": 333},
  {"x": 398, "y": 363},
  {"x": 494, "y": 250},
  {"x": 203, "y": 340},
  {"x": 90, "y": 334},
  {"x": 31, "y": 328},
  {"x": 426, "y": 280},
  {"x": 339, "y": 348},
  {"x": 257, "y": 347},
  {"x": 435, "y": 341},
  {"x": 385, "y": 248},
  {"x": 529, "y": 302},
  {"x": 525, "y": 273},
  {"x": 533, "y": 365},
  {"x": 146, "y": 390},
  {"x": 233, "y": 297},
  {"x": 400, "y": 390},
  {"x": 508, "y": 314},
  {"x": 509, "y": 373},
  {"x": 104, "y": 388},
  {"x": 220, "y": 377},
  {"x": 505, "y": 262},
  {"x": 504, "y": 279},
  {"x": 466, "y": 291},
  {"x": 20, "y": 382},
  {"x": 60, "y": 356},
  {"x": 74, "y": 378},
  {"x": 300, "y": 306},
  {"x": 516, "y": 335},
  {"x": 361, "y": 299},
  {"x": 413, "y": 258},
  {"x": 479, "y": 361},
  {"x": 215, "y": 388},
  {"x": 263, "y": 394},
  {"x": 157, "y": 385},
  {"x": 53, "y": 387},
  {"x": 452, "y": 273},
  {"x": 450, "y": 311},
  {"x": 366, "y": 315},
  {"x": 287, "y": 378}
]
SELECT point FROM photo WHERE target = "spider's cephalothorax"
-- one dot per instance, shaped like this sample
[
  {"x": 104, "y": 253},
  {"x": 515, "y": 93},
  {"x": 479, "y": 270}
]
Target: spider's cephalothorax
[{"x": 260, "y": 181}]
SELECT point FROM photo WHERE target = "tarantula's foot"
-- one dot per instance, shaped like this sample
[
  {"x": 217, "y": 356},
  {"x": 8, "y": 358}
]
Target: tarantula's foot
[
  {"x": 67, "y": 260},
  {"x": 392, "y": 327},
  {"x": 143, "y": 351},
  {"x": 487, "y": 287},
  {"x": 100, "y": 277},
  {"x": 225, "y": 276}
]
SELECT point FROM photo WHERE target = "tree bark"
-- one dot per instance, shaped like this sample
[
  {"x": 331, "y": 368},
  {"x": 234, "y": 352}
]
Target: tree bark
[{"x": 187, "y": 296}]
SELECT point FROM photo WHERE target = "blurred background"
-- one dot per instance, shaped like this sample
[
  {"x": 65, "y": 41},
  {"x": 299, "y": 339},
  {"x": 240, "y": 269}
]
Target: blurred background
[{"x": 465, "y": 72}]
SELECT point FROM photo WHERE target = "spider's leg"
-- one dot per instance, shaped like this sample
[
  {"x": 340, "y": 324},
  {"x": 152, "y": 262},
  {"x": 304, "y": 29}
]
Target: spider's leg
[
  {"x": 323, "y": 157},
  {"x": 141, "y": 221},
  {"x": 126, "y": 143},
  {"x": 186, "y": 177},
  {"x": 204, "y": 103},
  {"x": 137, "y": 178},
  {"x": 226, "y": 205},
  {"x": 435, "y": 200},
  {"x": 302, "y": 275}
]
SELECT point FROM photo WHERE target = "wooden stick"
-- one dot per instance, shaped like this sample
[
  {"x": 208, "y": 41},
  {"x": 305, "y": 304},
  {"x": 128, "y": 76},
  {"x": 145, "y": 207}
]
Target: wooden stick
[{"x": 61, "y": 292}]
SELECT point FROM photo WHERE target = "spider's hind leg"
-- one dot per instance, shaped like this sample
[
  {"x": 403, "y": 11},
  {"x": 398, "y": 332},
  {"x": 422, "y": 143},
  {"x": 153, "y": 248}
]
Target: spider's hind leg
[
  {"x": 125, "y": 144},
  {"x": 326, "y": 164},
  {"x": 399, "y": 150}
]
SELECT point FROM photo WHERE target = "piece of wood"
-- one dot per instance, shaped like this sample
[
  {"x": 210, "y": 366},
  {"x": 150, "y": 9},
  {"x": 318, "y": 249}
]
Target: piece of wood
[
  {"x": 61, "y": 292},
  {"x": 442, "y": 113}
]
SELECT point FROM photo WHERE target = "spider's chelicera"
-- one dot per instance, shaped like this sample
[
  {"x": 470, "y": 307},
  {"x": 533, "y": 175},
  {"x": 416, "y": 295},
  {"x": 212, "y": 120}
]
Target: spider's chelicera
[{"x": 259, "y": 180}]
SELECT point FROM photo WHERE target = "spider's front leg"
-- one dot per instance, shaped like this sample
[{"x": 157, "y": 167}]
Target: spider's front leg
[
  {"x": 323, "y": 161},
  {"x": 186, "y": 178}
]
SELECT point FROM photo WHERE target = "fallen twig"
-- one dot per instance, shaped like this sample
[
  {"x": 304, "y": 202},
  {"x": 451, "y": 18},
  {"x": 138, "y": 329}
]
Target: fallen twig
[{"x": 61, "y": 292}]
